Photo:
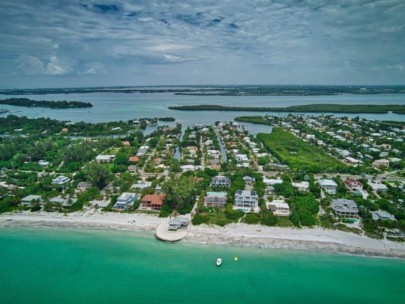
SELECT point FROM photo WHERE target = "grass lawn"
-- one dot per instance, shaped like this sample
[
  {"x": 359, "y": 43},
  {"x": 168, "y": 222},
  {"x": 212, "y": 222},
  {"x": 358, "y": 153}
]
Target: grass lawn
[{"x": 298, "y": 154}]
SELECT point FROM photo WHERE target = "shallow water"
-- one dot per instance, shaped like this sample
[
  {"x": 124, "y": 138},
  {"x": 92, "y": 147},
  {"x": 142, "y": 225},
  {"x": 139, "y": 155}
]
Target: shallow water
[{"x": 78, "y": 266}]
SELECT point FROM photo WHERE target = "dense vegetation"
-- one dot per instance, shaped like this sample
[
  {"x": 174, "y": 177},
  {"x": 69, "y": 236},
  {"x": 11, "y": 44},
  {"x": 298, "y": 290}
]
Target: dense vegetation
[
  {"x": 25, "y": 102},
  {"x": 311, "y": 108},
  {"x": 298, "y": 154}
]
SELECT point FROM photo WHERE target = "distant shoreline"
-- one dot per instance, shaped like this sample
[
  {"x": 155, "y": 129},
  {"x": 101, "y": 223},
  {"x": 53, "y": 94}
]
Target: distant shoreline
[
  {"x": 25, "y": 102},
  {"x": 240, "y": 235},
  {"x": 311, "y": 108}
]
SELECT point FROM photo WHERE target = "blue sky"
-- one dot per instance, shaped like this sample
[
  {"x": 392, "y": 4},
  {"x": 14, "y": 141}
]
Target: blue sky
[{"x": 51, "y": 43}]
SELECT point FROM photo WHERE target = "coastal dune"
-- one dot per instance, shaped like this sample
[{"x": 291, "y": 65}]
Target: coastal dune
[{"x": 241, "y": 235}]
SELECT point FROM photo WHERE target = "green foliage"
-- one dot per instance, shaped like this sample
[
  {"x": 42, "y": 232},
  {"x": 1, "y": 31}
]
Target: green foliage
[
  {"x": 97, "y": 174},
  {"x": 199, "y": 219},
  {"x": 298, "y": 154},
  {"x": 252, "y": 218}
]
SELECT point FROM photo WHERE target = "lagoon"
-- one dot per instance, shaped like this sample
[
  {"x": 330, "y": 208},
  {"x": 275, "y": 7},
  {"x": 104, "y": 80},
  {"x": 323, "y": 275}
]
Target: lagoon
[
  {"x": 126, "y": 106},
  {"x": 88, "y": 266}
]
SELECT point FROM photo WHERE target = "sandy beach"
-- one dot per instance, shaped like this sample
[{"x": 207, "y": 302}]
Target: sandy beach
[{"x": 242, "y": 235}]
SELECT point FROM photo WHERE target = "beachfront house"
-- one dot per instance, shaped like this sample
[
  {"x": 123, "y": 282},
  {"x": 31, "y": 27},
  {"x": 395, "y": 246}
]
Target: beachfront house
[
  {"x": 30, "y": 199},
  {"x": 215, "y": 199},
  {"x": 345, "y": 208},
  {"x": 328, "y": 185},
  {"x": 63, "y": 201},
  {"x": 246, "y": 200},
  {"x": 153, "y": 202},
  {"x": 220, "y": 181},
  {"x": 125, "y": 201},
  {"x": 279, "y": 207}
]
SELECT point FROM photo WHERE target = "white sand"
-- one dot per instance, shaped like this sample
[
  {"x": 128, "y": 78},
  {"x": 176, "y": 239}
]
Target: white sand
[{"x": 314, "y": 239}]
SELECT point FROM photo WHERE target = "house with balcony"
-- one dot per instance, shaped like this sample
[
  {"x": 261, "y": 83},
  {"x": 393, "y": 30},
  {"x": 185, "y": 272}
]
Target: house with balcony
[
  {"x": 215, "y": 199},
  {"x": 246, "y": 201}
]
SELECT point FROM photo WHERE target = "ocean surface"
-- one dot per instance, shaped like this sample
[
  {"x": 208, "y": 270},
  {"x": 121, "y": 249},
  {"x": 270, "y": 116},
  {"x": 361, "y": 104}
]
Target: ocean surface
[
  {"x": 78, "y": 266},
  {"x": 126, "y": 106}
]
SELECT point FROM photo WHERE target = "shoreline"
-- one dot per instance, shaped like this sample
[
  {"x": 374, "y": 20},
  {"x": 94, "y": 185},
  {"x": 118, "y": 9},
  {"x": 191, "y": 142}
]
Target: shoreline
[{"x": 238, "y": 235}]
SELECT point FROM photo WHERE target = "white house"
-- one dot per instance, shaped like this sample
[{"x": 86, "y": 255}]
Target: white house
[
  {"x": 60, "y": 180},
  {"x": 105, "y": 158},
  {"x": 28, "y": 200},
  {"x": 302, "y": 186},
  {"x": 279, "y": 208},
  {"x": 272, "y": 181},
  {"x": 142, "y": 150},
  {"x": 141, "y": 185},
  {"x": 328, "y": 185},
  {"x": 246, "y": 200},
  {"x": 378, "y": 187}
]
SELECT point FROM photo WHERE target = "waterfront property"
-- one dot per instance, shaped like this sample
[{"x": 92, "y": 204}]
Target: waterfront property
[
  {"x": 63, "y": 201},
  {"x": 279, "y": 208},
  {"x": 220, "y": 181},
  {"x": 125, "y": 201},
  {"x": 215, "y": 199},
  {"x": 30, "y": 199},
  {"x": 153, "y": 201},
  {"x": 345, "y": 208},
  {"x": 382, "y": 215},
  {"x": 246, "y": 200}
]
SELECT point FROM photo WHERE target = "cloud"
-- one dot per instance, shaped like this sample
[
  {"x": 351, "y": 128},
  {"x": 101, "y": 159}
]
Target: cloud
[
  {"x": 251, "y": 40},
  {"x": 30, "y": 65}
]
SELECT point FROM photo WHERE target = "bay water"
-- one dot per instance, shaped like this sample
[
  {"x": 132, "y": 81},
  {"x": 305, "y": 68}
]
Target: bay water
[{"x": 55, "y": 265}]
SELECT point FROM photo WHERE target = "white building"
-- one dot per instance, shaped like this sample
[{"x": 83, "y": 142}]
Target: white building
[
  {"x": 279, "y": 208},
  {"x": 302, "y": 186},
  {"x": 328, "y": 185},
  {"x": 141, "y": 185},
  {"x": 60, "y": 180},
  {"x": 105, "y": 158},
  {"x": 246, "y": 200},
  {"x": 28, "y": 200}
]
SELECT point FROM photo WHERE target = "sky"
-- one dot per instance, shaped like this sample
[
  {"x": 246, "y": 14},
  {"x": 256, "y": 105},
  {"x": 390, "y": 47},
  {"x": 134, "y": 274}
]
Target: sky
[{"x": 52, "y": 43}]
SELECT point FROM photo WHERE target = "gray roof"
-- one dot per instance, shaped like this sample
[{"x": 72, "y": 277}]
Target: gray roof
[{"x": 344, "y": 205}]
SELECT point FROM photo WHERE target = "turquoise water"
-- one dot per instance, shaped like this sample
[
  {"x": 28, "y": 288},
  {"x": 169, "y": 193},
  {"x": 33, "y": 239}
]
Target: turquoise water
[{"x": 76, "y": 266}]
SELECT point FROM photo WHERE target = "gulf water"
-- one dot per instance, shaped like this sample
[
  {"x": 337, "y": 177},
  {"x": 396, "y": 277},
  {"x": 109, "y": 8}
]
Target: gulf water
[{"x": 79, "y": 266}]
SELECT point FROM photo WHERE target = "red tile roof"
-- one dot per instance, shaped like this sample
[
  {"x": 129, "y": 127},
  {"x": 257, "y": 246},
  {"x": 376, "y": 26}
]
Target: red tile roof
[{"x": 155, "y": 199}]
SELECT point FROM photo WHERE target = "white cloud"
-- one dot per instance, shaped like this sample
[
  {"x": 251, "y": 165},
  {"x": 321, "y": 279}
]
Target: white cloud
[{"x": 30, "y": 65}]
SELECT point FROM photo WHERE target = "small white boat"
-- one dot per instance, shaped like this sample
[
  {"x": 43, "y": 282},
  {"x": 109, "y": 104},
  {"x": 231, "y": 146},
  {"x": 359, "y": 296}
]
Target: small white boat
[{"x": 219, "y": 262}]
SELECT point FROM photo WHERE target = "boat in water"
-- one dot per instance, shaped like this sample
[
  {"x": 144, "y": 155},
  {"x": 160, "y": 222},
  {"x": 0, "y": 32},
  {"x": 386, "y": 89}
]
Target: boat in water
[{"x": 219, "y": 262}]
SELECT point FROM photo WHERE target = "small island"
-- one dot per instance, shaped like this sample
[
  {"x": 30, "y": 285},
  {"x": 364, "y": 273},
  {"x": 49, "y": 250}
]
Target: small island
[
  {"x": 25, "y": 102},
  {"x": 311, "y": 108}
]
